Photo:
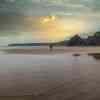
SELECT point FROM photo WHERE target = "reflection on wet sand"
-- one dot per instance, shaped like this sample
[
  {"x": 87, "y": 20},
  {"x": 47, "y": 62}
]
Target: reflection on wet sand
[{"x": 60, "y": 76}]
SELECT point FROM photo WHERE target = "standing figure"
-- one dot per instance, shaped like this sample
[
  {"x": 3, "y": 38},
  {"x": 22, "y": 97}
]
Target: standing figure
[{"x": 51, "y": 47}]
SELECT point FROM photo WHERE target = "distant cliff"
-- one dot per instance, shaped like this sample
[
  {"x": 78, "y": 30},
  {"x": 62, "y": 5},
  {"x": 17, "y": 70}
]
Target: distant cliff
[
  {"x": 74, "y": 41},
  {"x": 29, "y": 44},
  {"x": 61, "y": 43}
]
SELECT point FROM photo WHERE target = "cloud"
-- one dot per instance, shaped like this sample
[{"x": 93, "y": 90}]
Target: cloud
[
  {"x": 45, "y": 7},
  {"x": 18, "y": 16}
]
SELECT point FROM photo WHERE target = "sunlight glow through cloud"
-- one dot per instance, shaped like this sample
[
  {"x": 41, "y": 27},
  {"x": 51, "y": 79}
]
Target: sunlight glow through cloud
[{"x": 47, "y": 20}]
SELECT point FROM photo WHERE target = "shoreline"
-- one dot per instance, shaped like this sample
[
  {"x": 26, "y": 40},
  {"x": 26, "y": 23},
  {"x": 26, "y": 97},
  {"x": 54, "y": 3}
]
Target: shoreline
[{"x": 46, "y": 50}]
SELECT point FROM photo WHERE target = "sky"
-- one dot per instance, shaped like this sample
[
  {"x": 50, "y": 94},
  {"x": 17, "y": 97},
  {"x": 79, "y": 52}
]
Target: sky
[{"x": 24, "y": 21}]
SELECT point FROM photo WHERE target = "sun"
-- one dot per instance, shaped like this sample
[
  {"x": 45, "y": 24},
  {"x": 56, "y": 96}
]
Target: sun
[{"x": 48, "y": 19}]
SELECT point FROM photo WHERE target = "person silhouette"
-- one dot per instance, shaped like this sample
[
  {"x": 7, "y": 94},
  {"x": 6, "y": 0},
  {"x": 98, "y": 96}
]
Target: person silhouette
[{"x": 51, "y": 47}]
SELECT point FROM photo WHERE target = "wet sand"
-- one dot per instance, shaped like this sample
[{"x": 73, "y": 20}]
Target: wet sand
[
  {"x": 46, "y": 50},
  {"x": 50, "y": 76}
]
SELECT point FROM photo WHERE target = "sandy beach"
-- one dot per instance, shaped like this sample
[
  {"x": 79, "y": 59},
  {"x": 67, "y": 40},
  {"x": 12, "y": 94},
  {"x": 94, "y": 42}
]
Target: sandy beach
[
  {"x": 40, "y": 74},
  {"x": 46, "y": 50}
]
